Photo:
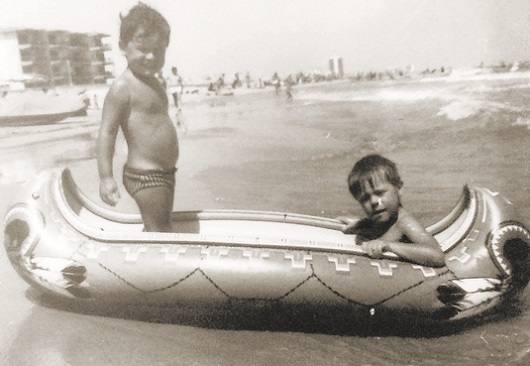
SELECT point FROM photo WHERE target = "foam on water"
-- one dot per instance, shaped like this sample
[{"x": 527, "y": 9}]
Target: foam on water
[
  {"x": 460, "y": 101},
  {"x": 459, "y": 106},
  {"x": 522, "y": 121},
  {"x": 390, "y": 94},
  {"x": 484, "y": 88},
  {"x": 467, "y": 107},
  {"x": 480, "y": 74}
]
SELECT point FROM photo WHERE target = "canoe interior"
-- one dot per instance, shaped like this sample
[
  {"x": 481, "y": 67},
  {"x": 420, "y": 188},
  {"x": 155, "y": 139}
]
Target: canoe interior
[{"x": 101, "y": 223}]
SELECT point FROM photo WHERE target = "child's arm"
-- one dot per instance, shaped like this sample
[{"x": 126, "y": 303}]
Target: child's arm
[
  {"x": 115, "y": 110},
  {"x": 350, "y": 224},
  {"x": 423, "y": 250}
]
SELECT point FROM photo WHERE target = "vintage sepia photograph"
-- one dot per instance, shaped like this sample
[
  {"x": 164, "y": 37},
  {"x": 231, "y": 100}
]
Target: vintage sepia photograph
[{"x": 264, "y": 182}]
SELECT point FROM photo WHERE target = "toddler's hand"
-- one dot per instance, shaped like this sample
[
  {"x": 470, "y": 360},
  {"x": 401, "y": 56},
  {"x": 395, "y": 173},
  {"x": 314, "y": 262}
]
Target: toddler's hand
[
  {"x": 374, "y": 248},
  {"x": 108, "y": 191},
  {"x": 350, "y": 224}
]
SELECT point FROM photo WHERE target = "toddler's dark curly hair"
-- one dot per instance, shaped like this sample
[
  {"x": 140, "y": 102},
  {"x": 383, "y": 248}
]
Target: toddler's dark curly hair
[
  {"x": 143, "y": 15},
  {"x": 370, "y": 167}
]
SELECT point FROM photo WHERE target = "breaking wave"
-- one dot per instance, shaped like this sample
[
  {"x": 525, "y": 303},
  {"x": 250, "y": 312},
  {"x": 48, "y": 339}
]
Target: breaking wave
[
  {"x": 459, "y": 101},
  {"x": 522, "y": 121}
]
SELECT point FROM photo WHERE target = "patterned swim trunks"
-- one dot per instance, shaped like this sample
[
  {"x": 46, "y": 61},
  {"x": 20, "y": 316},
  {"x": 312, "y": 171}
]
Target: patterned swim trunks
[{"x": 136, "y": 180}]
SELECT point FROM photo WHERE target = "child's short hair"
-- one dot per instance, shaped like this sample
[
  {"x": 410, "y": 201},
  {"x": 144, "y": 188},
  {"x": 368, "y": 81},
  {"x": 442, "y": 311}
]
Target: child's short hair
[
  {"x": 143, "y": 15},
  {"x": 369, "y": 167}
]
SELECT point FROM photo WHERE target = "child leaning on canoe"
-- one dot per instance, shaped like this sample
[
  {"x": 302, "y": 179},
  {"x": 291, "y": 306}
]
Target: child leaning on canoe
[{"x": 375, "y": 183}]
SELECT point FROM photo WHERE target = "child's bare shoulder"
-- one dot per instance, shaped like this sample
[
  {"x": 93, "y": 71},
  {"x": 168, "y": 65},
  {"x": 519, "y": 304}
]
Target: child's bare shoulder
[
  {"x": 119, "y": 89},
  {"x": 407, "y": 222}
]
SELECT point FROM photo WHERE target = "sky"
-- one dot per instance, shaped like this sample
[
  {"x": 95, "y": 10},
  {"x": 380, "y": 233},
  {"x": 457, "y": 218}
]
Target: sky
[{"x": 210, "y": 37}]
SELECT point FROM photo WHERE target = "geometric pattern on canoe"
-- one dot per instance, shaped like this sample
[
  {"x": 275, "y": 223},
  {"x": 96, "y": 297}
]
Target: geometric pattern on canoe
[
  {"x": 298, "y": 260},
  {"x": 200, "y": 272}
]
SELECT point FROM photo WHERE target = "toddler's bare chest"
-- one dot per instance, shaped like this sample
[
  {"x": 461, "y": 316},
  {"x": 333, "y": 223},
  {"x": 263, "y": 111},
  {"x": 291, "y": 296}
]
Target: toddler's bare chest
[{"x": 149, "y": 106}]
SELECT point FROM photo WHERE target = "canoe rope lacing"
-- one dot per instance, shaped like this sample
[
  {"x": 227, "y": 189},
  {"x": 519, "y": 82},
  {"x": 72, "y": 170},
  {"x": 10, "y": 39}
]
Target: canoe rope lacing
[{"x": 230, "y": 297}]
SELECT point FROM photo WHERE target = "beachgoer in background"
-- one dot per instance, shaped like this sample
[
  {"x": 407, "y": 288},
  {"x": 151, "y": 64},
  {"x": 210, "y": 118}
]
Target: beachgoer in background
[
  {"x": 237, "y": 82},
  {"x": 95, "y": 101},
  {"x": 375, "y": 183},
  {"x": 276, "y": 83},
  {"x": 247, "y": 80},
  {"x": 220, "y": 82},
  {"x": 138, "y": 104},
  {"x": 289, "y": 88},
  {"x": 175, "y": 86}
]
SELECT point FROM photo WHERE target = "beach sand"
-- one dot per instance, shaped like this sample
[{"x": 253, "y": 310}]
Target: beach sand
[{"x": 258, "y": 151}]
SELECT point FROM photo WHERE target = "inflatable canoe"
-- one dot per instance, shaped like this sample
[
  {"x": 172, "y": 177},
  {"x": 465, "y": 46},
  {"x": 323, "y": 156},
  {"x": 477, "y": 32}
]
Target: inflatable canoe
[{"x": 63, "y": 243}]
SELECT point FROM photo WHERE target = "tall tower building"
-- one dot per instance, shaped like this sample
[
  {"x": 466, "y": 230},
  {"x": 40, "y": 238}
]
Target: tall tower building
[
  {"x": 331, "y": 64},
  {"x": 336, "y": 67},
  {"x": 340, "y": 68}
]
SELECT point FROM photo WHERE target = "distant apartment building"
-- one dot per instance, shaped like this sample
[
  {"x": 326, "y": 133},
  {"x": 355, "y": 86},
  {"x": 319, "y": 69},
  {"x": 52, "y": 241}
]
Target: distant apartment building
[
  {"x": 336, "y": 67},
  {"x": 54, "y": 57}
]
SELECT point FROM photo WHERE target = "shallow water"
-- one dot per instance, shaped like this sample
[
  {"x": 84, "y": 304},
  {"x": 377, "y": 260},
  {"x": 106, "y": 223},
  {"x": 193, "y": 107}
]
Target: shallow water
[{"x": 258, "y": 151}]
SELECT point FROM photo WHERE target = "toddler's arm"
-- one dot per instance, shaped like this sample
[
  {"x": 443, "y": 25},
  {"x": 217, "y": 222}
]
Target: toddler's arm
[
  {"x": 115, "y": 110},
  {"x": 350, "y": 223},
  {"x": 423, "y": 249}
]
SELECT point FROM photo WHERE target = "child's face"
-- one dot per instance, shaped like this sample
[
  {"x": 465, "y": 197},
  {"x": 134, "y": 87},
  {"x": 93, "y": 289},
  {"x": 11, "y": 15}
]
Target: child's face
[
  {"x": 379, "y": 199},
  {"x": 145, "y": 52}
]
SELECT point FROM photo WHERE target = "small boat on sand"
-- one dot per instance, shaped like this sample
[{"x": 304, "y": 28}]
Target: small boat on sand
[
  {"x": 34, "y": 107},
  {"x": 64, "y": 244}
]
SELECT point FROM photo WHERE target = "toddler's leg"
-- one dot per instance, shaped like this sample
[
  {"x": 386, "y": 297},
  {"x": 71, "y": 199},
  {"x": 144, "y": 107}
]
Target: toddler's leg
[{"x": 155, "y": 205}]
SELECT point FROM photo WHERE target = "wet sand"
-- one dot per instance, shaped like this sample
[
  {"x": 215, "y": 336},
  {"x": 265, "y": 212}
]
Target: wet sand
[{"x": 258, "y": 151}]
